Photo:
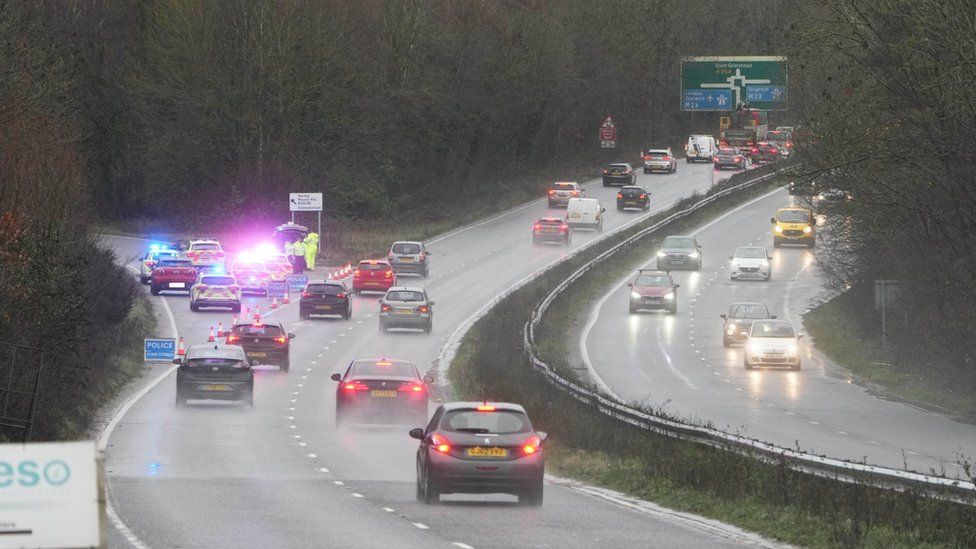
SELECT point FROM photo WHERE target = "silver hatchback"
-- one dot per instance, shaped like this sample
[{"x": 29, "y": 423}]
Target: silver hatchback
[
  {"x": 404, "y": 307},
  {"x": 409, "y": 257}
]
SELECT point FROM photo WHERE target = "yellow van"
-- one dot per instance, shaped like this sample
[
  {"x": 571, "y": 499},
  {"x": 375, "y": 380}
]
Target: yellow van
[{"x": 794, "y": 225}]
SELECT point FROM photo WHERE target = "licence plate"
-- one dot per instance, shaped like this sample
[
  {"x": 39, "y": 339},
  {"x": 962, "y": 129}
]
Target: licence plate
[
  {"x": 574, "y": 215},
  {"x": 478, "y": 451},
  {"x": 177, "y": 285},
  {"x": 676, "y": 261},
  {"x": 383, "y": 394},
  {"x": 257, "y": 355},
  {"x": 404, "y": 311},
  {"x": 550, "y": 231},
  {"x": 630, "y": 203},
  {"x": 215, "y": 387},
  {"x": 792, "y": 237},
  {"x": 406, "y": 259},
  {"x": 324, "y": 307}
]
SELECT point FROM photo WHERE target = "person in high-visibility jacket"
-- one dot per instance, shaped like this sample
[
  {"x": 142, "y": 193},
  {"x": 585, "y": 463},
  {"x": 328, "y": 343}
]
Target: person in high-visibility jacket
[
  {"x": 299, "y": 250},
  {"x": 311, "y": 249},
  {"x": 290, "y": 252}
]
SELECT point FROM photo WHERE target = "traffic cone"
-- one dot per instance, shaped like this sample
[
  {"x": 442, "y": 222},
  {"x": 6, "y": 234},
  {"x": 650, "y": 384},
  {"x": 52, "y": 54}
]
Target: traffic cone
[
  {"x": 257, "y": 313},
  {"x": 285, "y": 300},
  {"x": 220, "y": 329},
  {"x": 274, "y": 302},
  {"x": 211, "y": 338},
  {"x": 181, "y": 350}
]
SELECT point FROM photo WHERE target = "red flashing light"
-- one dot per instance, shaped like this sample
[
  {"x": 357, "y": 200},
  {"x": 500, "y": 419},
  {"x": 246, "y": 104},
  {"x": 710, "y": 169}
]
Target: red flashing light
[
  {"x": 532, "y": 446},
  {"x": 440, "y": 443},
  {"x": 486, "y": 408}
]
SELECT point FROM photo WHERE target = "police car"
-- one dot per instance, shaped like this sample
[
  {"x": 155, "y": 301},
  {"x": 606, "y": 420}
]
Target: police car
[
  {"x": 205, "y": 253},
  {"x": 252, "y": 276},
  {"x": 215, "y": 290},
  {"x": 152, "y": 258},
  {"x": 278, "y": 266}
]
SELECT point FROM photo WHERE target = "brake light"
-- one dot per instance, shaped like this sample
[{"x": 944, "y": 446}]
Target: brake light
[
  {"x": 412, "y": 388},
  {"x": 552, "y": 192},
  {"x": 486, "y": 408},
  {"x": 620, "y": 195},
  {"x": 666, "y": 159},
  {"x": 643, "y": 196},
  {"x": 341, "y": 295},
  {"x": 564, "y": 228},
  {"x": 355, "y": 273},
  {"x": 532, "y": 446},
  {"x": 385, "y": 308},
  {"x": 384, "y": 363},
  {"x": 439, "y": 443},
  {"x": 281, "y": 339},
  {"x": 647, "y": 157},
  {"x": 605, "y": 172},
  {"x": 306, "y": 294},
  {"x": 575, "y": 193},
  {"x": 389, "y": 274},
  {"x": 423, "y": 309},
  {"x": 233, "y": 339},
  {"x": 355, "y": 386},
  {"x": 537, "y": 226},
  {"x": 755, "y": 150}
]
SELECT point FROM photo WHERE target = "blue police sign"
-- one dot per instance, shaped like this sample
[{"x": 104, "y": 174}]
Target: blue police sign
[
  {"x": 278, "y": 289},
  {"x": 297, "y": 282},
  {"x": 159, "y": 349},
  {"x": 706, "y": 100}
]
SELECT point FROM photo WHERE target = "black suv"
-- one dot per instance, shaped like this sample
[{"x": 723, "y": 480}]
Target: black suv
[
  {"x": 325, "y": 298},
  {"x": 214, "y": 372},
  {"x": 633, "y": 197},
  {"x": 263, "y": 342},
  {"x": 619, "y": 174}
]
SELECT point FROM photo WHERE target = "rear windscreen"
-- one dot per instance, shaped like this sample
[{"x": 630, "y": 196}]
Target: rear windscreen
[
  {"x": 403, "y": 295},
  {"x": 324, "y": 289},
  {"x": 218, "y": 280},
  {"x": 382, "y": 368},
  {"x": 257, "y": 330},
  {"x": 205, "y": 247},
  {"x": 564, "y": 187},
  {"x": 217, "y": 362},
  {"x": 474, "y": 421},
  {"x": 406, "y": 249},
  {"x": 373, "y": 267},
  {"x": 175, "y": 263}
]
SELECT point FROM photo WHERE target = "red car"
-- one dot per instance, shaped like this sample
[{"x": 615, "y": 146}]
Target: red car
[
  {"x": 653, "y": 289},
  {"x": 551, "y": 229},
  {"x": 373, "y": 275},
  {"x": 172, "y": 274}
]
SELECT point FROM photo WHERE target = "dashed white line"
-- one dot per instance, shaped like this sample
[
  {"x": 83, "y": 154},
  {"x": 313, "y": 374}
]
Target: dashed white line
[
  {"x": 462, "y": 545},
  {"x": 421, "y": 525},
  {"x": 356, "y": 495}
]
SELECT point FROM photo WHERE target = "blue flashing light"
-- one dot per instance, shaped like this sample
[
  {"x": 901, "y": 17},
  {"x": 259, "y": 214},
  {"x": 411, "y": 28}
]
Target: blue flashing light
[{"x": 154, "y": 247}]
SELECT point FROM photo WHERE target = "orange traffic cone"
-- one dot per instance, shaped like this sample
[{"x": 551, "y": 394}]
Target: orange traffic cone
[
  {"x": 257, "y": 313},
  {"x": 285, "y": 300},
  {"x": 181, "y": 350},
  {"x": 211, "y": 338},
  {"x": 220, "y": 329},
  {"x": 274, "y": 302}
]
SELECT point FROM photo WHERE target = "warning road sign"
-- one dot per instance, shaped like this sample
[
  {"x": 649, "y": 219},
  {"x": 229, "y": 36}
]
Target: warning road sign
[{"x": 608, "y": 134}]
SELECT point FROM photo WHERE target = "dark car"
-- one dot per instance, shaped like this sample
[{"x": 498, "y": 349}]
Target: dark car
[
  {"x": 381, "y": 390},
  {"x": 263, "y": 342},
  {"x": 730, "y": 158},
  {"x": 619, "y": 174},
  {"x": 679, "y": 252},
  {"x": 409, "y": 257},
  {"x": 739, "y": 319},
  {"x": 653, "y": 289},
  {"x": 330, "y": 297},
  {"x": 551, "y": 229},
  {"x": 480, "y": 448},
  {"x": 214, "y": 372},
  {"x": 764, "y": 152},
  {"x": 633, "y": 197}
]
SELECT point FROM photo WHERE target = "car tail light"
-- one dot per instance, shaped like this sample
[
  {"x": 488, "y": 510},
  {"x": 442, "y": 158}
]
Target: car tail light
[
  {"x": 306, "y": 294},
  {"x": 715, "y": 159},
  {"x": 532, "y": 446},
  {"x": 667, "y": 159},
  {"x": 647, "y": 157},
  {"x": 575, "y": 193},
  {"x": 643, "y": 196},
  {"x": 552, "y": 192},
  {"x": 485, "y": 408},
  {"x": 423, "y": 309},
  {"x": 389, "y": 274},
  {"x": 385, "y": 308},
  {"x": 281, "y": 339},
  {"x": 537, "y": 226},
  {"x": 755, "y": 150},
  {"x": 605, "y": 172},
  {"x": 564, "y": 228},
  {"x": 341, "y": 295},
  {"x": 233, "y": 339},
  {"x": 439, "y": 443},
  {"x": 353, "y": 386},
  {"x": 411, "y": 387},
  {"x": 620, "y": 195},
  {"x": 422, "y": 257},
  {"x": 356, "y": 273}
]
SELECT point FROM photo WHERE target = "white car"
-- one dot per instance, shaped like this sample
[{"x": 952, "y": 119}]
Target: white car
[
  {"x": 152, "y": 258},
  {"x": 584, "y": 212},
  {"x": 772, "y": 343},
  {"x": 206, "y": 253},
  {"x": 215, "y": 290},
  {"x": 750, "y": 263},
  {"x": 660, "y": 160}
]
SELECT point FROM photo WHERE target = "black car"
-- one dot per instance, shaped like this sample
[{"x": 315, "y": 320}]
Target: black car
[
  {"x": 739, "y": 319},
  {"x": 330, "y": 297},
  {"x": 729, "y": 158},
  {"x": 480, "y": 448},
  {"x": 633, "y": 197},
  {"x": 263, "y": 342},
  {"x": 381, "y": 390},
  {"x": 619, "y": 174},
  {"x": 214, "y": 372},
  {"x": 679, "y": 252}
]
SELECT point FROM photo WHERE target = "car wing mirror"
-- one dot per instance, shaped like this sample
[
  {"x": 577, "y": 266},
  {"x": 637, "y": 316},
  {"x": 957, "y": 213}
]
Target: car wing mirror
[
  {"x": 772, "y": 316},
  {"x": 676, "y": 286},
  {"x": 177, "y": 361},
  {"x": 602, "y": 210},
  {"x": 431, "y": 303},
  {"x": 730, "y": 257},
  {"x": 813, "y": 221},
  {"x": 630, "y": 284},
  {"x": 417, "y": 433},
  {"x": 542, "y": 435},
  {"x": 336, "y": 377},
  {"x": 723, "y": 315},
  {"x": 291, "y": 336},
  {"x": 772, "y": 220},
  {"x": 428, "y": 379}
]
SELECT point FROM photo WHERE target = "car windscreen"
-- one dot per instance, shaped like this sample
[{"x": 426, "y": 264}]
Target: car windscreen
[
  {"x": 381, "y": 368},
  {"x": 750, "y": 253},
  {"x": 564, "y": 187},
  {"x": 324, "y": 289},
  {"x": 553, "y": 222},
  {"x": 794, "y": 216},
  {"x": 267, "y": 330},
  {"x": 175, "y": 263},
  {"x": 404, "y": 295},
  {"x": 205, "y": 247},
  {"x": 217, "y": 280},
  {"x": 772, "y": 329},
  {"x": 678, "y": 242},
  {"x": 750, "y": 311},
  {"x": 373, "y": 267},
  {"x": 500, "y": 422},
  {"x": 652, "y": 280},
  {"x": 405, "y": 248}
]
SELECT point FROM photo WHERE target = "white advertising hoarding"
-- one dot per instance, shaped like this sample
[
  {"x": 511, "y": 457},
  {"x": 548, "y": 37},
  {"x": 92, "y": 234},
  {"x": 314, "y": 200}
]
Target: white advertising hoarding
[{"x": 49, "y": 495}]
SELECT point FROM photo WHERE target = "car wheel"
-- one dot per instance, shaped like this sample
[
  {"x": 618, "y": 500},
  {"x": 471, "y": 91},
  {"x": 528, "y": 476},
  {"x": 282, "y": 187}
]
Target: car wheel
[
  {"x": 426, "y": 272},
  {"x": 726, "y": 342},
  {"x": 235, "y": 309},
  {"x": 285, "y": 367},
  {"x": 687, "y": 160},
  {"x": 620, "y": 208},
  {"x": 144, "y": 279},
  {"x": 248, "y": 399},
  {"x": 430, "y": 326},
  {"x": 535, "y": 240},
  {"x": 745, "y": 362},
  {"x": 568, "y": 238},
  {"x": 180, "y": 399},
  {"x": 532, "y": 496},
  {"x": 304, "y": 315},
  {"x": 420, "y": 491},
  {"x": 673, "y": 310},
  {"x": 382, "y": 328},
  {"x": 154, "y": 290},
  {"x": 348, "y": 314},
  {"x": 769, "y": 277},
  {"x": 776, "y": 243},
  {"x": 605, "y": 184},
  {"x": 698, "y": 268},
  {"x": 193, "y": 307},
  {"x": 551, "y": 205},
  {"x": 431, "y": 494},
  {"x": 647, "y": 171},
  {"x": 632, "y": 309},
  {"x": 797, "y": 367},
  {"x": 340, "y": 417}
]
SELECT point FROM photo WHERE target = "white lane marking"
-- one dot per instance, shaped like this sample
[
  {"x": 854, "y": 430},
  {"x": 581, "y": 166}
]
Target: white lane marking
[
  {"x": 389, "y": 510},
  {"x": 667, "y": 357},
  {"x": 595, "y": 311},
  {"x": 462, "y": 545},
  {"x": 323, "y": 470},
  {"x": 421, "y": 525},
  {"x": 338, "y": 482},
  {"x": 356, "y": 495}
]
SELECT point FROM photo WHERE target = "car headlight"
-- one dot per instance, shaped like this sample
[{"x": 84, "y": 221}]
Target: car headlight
[
  {"x": 662, "y": 254},
  {"x": 735, "y": 266},
  {"x": 754, "y": 347},
  {"x": 764, "y": 264},
  {"x": 778, "y": 229},
  {"x": 792, "y": 349},
  {"x": 693, "y": 255},
  {"x": 807, "y": 230},
  {"x": 635, "y": 295},
  {"x": 669, "y": 295},
  {"x": 730, "y": 331}
]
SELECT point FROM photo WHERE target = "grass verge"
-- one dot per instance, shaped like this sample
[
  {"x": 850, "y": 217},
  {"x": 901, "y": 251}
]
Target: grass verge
[
  {"x": 768, "y": 498},
  {"x": 851, "y": 338}
]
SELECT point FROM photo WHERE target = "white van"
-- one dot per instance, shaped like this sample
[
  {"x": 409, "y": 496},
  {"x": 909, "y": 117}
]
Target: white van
[
  {"x": 585, "y": 212},
  {"x": 700, "y": 148}
]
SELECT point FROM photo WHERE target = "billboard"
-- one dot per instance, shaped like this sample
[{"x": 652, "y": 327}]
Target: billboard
[{"x": 723, "y": 83}]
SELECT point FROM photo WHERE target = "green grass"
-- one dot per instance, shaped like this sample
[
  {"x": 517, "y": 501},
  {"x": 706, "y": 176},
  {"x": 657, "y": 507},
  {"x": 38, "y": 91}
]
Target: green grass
[{"x": 841, "y": 331}]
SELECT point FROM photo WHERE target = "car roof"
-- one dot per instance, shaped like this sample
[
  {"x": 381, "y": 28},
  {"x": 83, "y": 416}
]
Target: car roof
[
  {"x": 329, "y": 282},
  {"x": 406, "y": 289},
  {"x": 417, "y": 242},
  {"x": 375, "y": 262},
  {"x": 632, "y": 187},
  {"x": 750, "y": 248},
  {"x": 619, "y": 164},
  {"x": 204, "y": 241},
  {"x": 449, "y": 406},
  {"x": 216, "y": 350},
  {"x": 383, "y": 359},
  {"x": 776, "y": 321},
  {"x": 584, "y": 199},
  {"x": 658, "y": 150},
  {"x": 739, "y": 303},
  {"x": 652, "y": 272},
  {"x": 794, "y": 207}
]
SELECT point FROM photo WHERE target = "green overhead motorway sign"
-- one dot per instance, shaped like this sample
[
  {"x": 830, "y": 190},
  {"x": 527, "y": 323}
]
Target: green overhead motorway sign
[{"x": 723, "y": 83}]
